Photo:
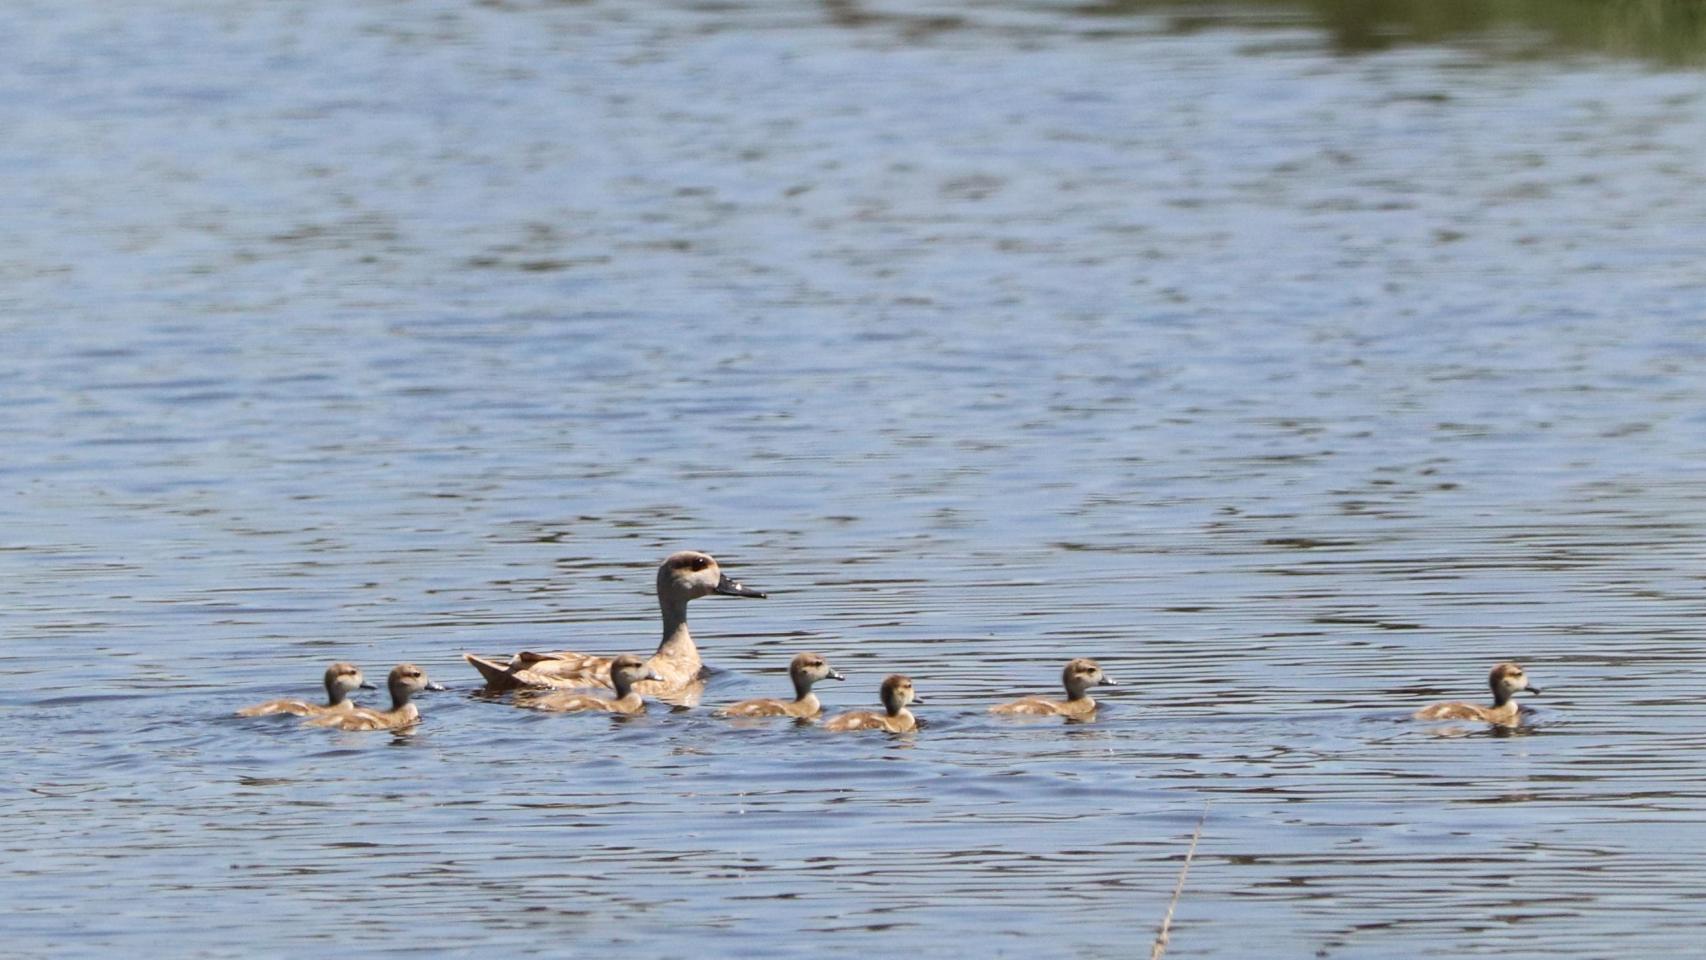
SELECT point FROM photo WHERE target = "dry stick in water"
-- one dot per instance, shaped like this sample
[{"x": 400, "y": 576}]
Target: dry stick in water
[{"x": 1167, "y": 921}]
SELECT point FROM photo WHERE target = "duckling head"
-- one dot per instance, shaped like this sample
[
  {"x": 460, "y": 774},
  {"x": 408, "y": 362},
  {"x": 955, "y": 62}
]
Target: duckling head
[
  {"x": 1082, "y": 674},
  {"x": 342, "y": 679},
  {"x": 406, "y": 680},
  {"x": 627, "y": 670},
  {"x": 807, "y": 669},
  {"x": 689, "y": 575},
  {"x": 897, "y": 692},
  {"x": 1508, "y": 678}
]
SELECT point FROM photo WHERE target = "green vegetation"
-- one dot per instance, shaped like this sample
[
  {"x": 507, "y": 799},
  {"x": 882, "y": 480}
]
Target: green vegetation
[{"x": 1671, "y": 32}]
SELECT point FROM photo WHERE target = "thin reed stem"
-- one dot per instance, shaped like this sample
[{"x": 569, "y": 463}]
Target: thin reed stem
[{"x": 1178, "y": 888}]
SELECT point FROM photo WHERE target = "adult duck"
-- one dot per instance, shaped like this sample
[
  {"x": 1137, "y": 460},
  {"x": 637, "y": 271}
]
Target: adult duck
[{"x": 682, "y": 578}]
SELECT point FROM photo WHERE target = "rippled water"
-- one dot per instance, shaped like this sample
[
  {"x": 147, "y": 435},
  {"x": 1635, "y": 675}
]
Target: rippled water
[{"x": 1297, "y": 388}]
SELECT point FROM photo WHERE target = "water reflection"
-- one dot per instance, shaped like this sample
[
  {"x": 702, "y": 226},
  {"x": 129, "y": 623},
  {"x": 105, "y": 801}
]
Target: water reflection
[
  {"x": 1670, "y": 32},
  {"x": 1667, "y": 31}
]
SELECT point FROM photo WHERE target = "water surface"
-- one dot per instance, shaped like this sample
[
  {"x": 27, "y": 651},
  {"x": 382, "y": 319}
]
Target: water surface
[{"x": 1297, "y": 380}]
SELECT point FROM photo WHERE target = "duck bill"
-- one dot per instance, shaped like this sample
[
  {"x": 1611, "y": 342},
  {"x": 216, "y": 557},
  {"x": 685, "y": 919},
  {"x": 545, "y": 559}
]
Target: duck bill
[
  {"x": 436, "y": 687},
  {"x": 652, "y": 675},
  {"x": 836, "y": 675},
  {"x": 916, "y": 699},
  {"x": 1108, "y": 682},
  {"x": 367, "y": 685},
  {"x": 1533, "y": 690},
  {"x": 734, "y": 588}
]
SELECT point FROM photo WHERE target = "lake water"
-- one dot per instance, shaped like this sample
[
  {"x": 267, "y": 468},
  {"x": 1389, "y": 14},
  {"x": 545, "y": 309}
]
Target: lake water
[{"x": 1298, "y": 370}]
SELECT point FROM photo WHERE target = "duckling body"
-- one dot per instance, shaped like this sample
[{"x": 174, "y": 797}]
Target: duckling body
[
  {"x": 896, "y": 692},
  {"x": 1078, "y": 677},
  {"x": 681, "y": 578},
  {"x": 1506, "y": 680},
  {"x": 341, "y": 680},
  {"x": 405, "y": 681},
  {"x": 625, "y": 672},
  {"x": 805, "y": 670}
]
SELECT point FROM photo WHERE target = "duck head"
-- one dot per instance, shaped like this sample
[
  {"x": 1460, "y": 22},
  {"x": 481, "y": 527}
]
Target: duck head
[
  {"x": 689, "y": 575},
  {"x": 342, "y": 679},
  {"x": 897, "y": 692},
  {"x": 627, "y": 670},
  {"x": 1082, "y": 674},
  {"x": 807, "y": 669},
  {"x": 1507, "y": 679}
]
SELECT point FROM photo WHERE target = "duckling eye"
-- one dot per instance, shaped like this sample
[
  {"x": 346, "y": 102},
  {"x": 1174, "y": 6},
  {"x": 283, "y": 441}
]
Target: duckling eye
[{"x": 699, "y": 563}]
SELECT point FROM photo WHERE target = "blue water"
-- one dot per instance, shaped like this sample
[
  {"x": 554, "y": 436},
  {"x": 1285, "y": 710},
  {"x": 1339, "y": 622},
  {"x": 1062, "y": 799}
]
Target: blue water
[{"x": 1297, "y": 388}]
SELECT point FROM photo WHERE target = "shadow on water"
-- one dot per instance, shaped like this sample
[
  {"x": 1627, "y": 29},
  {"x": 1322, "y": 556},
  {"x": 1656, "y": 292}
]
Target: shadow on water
[{"x": 1671, "y": 32}]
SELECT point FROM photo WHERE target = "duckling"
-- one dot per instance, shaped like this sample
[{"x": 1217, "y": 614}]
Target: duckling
[
  {"x": 405, "y": 681},
  {"x": 682, "y": 577},
  {"x": 897, "y": 692},
  {"x": 625, "y": 671},
  {"x": 1506, "y": 679},
  {"x": 1078, "y": 677},
  {"x": 341, "y": 679},
  {"x": 805, "y": 670}
]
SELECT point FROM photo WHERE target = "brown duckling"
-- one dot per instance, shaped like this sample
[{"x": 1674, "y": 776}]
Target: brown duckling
[
  {"x": 1078, "y": 677},
  {"x": 1506, "y": 679},
  {"x": 681, "y": 578},
  {"x": 897, "y": 692},
  {"x": 805, "y": 670},
  {"x": 625, "y": 672},
  {"x": 405, "y": 681},
  {"x": 341, "y": 680}
]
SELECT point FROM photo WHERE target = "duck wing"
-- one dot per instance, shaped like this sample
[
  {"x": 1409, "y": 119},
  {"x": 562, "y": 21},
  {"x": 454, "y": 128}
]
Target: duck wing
[
  {"x": 755, "y": 708},
  {"x": 554, "y": 670},
  {"x": 1027, "y": 707},
  {"x": 1451, "y": 711},
  {"x": 354, "y": 720},
  {"x": 300, "y": 708}
]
